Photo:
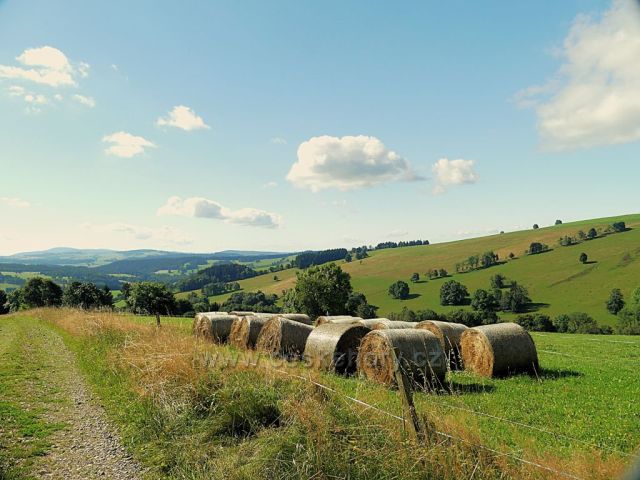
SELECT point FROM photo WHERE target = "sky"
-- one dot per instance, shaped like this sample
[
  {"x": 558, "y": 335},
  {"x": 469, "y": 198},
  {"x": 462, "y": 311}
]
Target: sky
[{"x": 293, "y": 125}]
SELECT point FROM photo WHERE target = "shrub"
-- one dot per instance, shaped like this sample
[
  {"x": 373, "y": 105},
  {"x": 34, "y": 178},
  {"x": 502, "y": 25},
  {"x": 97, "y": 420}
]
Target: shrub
[
  {"x": 515, "y": 299},
  {"x": 471, "y": 319},
  {"x": 498, "y": 281},
  {"x": 415, "y": 277},
  {"x": 358, "y": 306},
  {"x": 629, "y": 321},
  {"x": 577, "y": 322},
  {"x": 619, "y": 226},
  {"x": 583, "y": 258},
  {"x": 536, "y": 323}
]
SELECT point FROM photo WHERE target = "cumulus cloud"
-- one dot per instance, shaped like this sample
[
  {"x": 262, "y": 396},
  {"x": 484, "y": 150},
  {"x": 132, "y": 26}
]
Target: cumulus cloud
[
  {"x": 46, "y": 66},
  {"x": 198, "y": 207},
  {"x": 125, "y": 145},
  {"x": 449, "y": 173},
  {"x": 164, "y": 234},
  {"x": 184, "y": 118},
  {"x": 346, "y": 163},
  {"x": 86, "y": 101},
  {"x": 14, "y": 202},
  {"x": 594, "y": 99}
]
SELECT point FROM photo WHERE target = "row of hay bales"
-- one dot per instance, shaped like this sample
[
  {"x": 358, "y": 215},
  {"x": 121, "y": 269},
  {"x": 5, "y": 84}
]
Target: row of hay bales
[{"x": 344, "y": 344}]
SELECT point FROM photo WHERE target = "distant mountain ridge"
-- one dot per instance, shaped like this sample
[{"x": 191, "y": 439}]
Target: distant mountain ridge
[{"x": 68, "y": 256}]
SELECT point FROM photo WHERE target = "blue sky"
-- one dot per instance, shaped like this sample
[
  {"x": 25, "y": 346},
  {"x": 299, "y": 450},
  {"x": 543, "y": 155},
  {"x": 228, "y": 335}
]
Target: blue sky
[{"x": 204, "y": 126}]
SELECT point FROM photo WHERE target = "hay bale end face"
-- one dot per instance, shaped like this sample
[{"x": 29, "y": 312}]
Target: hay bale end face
[
  {"x": 336, "y": 319},
  {"x": 449, "y": 335},
  {"x": 245, "y": 330},
  {"x": 418, "y": 351},
  {"x": 385, "y": 324},
  {"x": 334, "y": 347},
  {"x": 498, "y": 350},
  {"x": 216, "y": 328},
  {"x": 283, "y": 337}
]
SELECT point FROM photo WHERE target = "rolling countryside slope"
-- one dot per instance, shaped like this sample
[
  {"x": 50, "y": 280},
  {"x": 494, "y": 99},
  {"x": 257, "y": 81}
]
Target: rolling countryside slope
[{"x": 556, "y": 280}]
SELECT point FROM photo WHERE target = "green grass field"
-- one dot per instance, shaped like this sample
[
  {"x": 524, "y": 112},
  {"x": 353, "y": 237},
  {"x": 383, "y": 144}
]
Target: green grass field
[
  {"x": 556, "y": 280},
  {"x": 578, "y": 415}
]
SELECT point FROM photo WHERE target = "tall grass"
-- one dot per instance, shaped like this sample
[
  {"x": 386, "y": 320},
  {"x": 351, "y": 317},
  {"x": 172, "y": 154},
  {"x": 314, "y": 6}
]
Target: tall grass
[{"x": 187, "y": 414}]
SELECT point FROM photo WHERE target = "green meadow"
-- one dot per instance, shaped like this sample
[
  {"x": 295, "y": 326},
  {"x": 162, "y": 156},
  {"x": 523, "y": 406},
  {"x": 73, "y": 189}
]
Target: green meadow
[{"x": 556, "y": 280}]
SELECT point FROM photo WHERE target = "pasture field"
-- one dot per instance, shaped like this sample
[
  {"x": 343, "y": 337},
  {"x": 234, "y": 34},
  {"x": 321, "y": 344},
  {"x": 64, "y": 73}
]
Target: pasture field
[
  {"x": 556, "y": 280},
  {"x": 188, "y": 408}
]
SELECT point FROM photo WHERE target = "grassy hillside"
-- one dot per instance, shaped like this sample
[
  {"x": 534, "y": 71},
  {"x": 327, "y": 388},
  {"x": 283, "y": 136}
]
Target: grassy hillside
[{"x": 557, "y": 281}]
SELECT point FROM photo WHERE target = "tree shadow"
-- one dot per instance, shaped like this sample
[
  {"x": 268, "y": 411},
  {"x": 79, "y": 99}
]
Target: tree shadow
[
  {"x": 590, "y": 262},
  {"x": 412, "y": 296},
  {"x": 534, "y": 307},
  {"x": 557, "y": 373}
]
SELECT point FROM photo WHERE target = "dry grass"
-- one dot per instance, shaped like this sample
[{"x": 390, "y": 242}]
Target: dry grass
[{"x": 215, "y": 413}]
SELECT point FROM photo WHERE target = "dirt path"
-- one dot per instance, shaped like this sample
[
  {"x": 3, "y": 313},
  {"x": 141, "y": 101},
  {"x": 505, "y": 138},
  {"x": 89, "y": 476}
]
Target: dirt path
[{"x": 48, "y": 385}]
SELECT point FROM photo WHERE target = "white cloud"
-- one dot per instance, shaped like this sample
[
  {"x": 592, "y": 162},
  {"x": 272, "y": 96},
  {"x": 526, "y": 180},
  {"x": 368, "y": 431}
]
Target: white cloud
[
  {"x": 164, "y": 234},
  {"x": 595, "y": 97},
  {"x": 86, "y": 101},
  {"x": 198, "y": 207},
  {"x": 184, "y": 118},
  {"x": 453, "y": 172},
  {"x": 16, "y": 91},
  {"x": 278, "y": 141},
  {"x": 46, "y": 66},
  {"x": 31, "y": 98},
  {"x": 14, "y": 202},
  {"x": 270, "y": 185},
  {"x": 346, "y": 163},
  {"x": 125, "y": 145}
]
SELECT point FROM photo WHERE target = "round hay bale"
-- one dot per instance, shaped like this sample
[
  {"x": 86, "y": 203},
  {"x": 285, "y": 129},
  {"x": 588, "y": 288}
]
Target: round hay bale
[
  {"x": 336, "y": 319},
  {"x": 418, "y": 351},
  {"x": 283, "y": 337},
  {"x": 298, "y": 317},
  {"x": 384, "y": 324},
  {"x": 242, "y": 314},
  {"x": 334, "y": 347},
  {"x": 219, "y": 327},
  {"x": 371, "y": 322},
  {"x": 202, "y": 317},
  {"x": 202, "y": 326},
  {"x": 449, "y": 335},
  {"x": 245, "y": 330},
  {"x": 498, "y": 350}
]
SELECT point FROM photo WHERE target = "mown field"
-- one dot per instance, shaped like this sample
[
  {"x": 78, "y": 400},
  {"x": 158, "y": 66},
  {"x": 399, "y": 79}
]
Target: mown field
[
  {"x": 556, "y": 280},
  {"x": 187, "y": 411}
]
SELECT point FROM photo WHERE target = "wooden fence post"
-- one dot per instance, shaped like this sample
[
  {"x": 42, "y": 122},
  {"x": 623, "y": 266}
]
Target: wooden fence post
[{"x": 406, "y": 396}]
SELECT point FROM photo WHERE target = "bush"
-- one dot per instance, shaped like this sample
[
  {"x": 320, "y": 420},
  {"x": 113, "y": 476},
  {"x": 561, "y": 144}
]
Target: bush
[
  {"x": 619, "y": 226},
  {"x": 583, "y": 258},
  {"x": 471, "y": 319},
  {"x": 399, "y": 290},
  {"x": 498, "y": 281},
  {"x": 577, "y": 322},
  {"x": 453, "y": 293},
  {"x": 252, "y": 302},
  {"x": 415, "y": 277},
  {"x": 536, "y": 323},
  {"x": 629, "y": 321}
]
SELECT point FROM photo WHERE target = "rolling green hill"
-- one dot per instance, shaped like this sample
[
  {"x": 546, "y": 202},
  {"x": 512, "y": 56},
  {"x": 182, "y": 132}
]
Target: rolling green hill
[{"x": 556, "y": 280}]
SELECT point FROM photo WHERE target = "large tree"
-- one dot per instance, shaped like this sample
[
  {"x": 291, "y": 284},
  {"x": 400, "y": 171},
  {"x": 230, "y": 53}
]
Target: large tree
[
  {"x": 358, "y": 306},
  {"x": 151, "y": 298},
  {"x": 87, "y": 296},
  {"x": 615, "y": 302},
  {"x": 399, "y": 290},
  {"x": 515, "y": 299},
  {"x": 483, "y": 301},
  {"x": 4, "y": 306},
  {"x": 322, "y": 290},
  {"x": 40, "y": 292},
  {"x": 453, "y": 293}
]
